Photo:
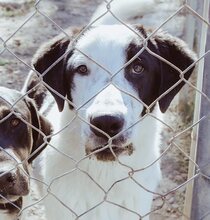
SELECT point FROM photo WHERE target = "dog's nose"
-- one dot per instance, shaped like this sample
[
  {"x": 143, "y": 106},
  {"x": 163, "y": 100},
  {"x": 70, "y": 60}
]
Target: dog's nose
[
  {"x": 7, "y": 178},
  {"x": 110, "y": 124}
]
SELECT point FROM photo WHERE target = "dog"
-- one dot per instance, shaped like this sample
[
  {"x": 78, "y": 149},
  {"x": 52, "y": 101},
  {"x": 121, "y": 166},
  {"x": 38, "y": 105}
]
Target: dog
[
  {"x": 110, "y": 88},
  {"x": 19, "y": 145}
]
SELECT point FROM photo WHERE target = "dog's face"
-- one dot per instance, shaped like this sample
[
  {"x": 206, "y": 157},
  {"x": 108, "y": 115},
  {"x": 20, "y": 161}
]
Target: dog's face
[
  {"x": 111, "y": 92},
  {"x": 18, "y": 140}
]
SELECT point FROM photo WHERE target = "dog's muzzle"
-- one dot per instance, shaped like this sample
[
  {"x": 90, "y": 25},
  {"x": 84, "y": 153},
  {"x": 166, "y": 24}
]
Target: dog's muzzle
[
  {"x": 111, "y": 125},
  {"x": 13, "y": 184},
  {"x": 107, "y": 147},
  {"x": 12, "y": 206},
  {"x": 110, "y": 153}
]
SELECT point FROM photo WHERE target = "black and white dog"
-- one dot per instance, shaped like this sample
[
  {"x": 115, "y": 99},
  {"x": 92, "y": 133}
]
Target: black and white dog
[
  {"x": 19, "y": 145},
  {"x": 99, "y": 163}
]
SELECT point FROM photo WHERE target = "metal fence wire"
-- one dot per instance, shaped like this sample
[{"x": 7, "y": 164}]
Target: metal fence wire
[{"x": 173, "y": 144}]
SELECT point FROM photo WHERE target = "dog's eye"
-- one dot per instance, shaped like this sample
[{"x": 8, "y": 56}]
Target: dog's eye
[
  {"x": 15, "y": 122},
  {"x": 137, "y": 68},
  {"x": 82, "y": 69}
]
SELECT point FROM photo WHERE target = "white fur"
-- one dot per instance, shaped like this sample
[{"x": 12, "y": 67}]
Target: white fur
[
  {"x": 84, "y": 186},
  {"x": 80, "y": 193},
  {"x": 75, "y": 188}
]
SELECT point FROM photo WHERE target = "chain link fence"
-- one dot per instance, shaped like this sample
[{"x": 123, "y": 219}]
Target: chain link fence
[{"x": 180, "y": 130}]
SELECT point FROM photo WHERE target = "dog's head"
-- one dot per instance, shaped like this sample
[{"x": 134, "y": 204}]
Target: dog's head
[
  {"x": 22, "y": 130},
  {"x": 112, "y": 87}
]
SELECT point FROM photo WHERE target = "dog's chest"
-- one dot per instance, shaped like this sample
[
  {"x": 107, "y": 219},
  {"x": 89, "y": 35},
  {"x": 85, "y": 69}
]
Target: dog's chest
[
  {"x": 93, "y": 189},
  {"x": 99, "y": 191}
]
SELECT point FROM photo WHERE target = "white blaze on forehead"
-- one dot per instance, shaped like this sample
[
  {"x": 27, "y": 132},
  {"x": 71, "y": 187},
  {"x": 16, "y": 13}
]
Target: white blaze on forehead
[
  {"x": 107, "y": 45},
  {"x": 108, "y": 101}
]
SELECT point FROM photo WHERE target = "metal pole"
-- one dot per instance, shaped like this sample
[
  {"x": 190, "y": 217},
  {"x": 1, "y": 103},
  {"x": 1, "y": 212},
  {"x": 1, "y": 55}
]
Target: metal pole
[{"x": 197, "y": 195}]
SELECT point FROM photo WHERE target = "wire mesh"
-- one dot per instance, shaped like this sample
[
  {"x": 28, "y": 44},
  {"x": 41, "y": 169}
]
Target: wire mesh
[{"x": 173, "y": 144}]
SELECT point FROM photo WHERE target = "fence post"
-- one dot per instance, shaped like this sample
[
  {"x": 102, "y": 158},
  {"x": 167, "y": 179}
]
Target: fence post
[{"x": 197, "y": 196}]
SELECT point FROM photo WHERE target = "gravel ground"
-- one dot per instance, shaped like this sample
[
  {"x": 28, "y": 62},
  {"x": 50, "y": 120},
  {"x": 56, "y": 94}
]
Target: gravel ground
[{"x": 65, "y": 13}]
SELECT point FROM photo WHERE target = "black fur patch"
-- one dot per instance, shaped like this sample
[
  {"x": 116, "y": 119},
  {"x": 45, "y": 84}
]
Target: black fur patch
[
  {"x": 147, "y": 83},
  {"x": 12, "y": 207},
  {"x": 158, "y": 76}
]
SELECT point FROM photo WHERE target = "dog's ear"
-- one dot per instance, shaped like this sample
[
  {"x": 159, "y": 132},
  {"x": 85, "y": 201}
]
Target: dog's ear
[
  {"x": 176, "y": 52},
  {"x": 43, "y": 125},
  {"x": 38, "y": 91},
  {"x": 46, "y": 56}
]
